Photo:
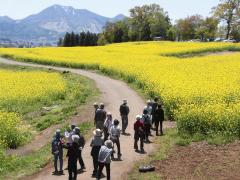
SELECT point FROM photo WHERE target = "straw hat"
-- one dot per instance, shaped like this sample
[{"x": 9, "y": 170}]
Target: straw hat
[
  {"x": 125, "y": 101},
  {"x": 97, "y": 132}
]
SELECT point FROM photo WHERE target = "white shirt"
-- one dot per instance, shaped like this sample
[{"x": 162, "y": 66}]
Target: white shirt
[{"x": 115, "y": 131}]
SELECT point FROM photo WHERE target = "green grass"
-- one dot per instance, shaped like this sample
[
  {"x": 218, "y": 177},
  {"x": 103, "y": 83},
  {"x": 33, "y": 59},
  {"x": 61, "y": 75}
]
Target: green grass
[{"x": 19, "y": 166}]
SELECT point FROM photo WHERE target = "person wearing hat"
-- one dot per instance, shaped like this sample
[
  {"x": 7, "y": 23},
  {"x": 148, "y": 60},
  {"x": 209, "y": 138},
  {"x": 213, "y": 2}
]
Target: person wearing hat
[
  {"x": 124, "y": 111},
  {"x": 159, "y": 118},
  {"x": 72, "y": 154},
  {"x": 107, "y": 126},
  {"x": 115, "y": 132},
  {"x": 100, "y": 117},
  {"x": 81, "y": 144},
  {"x": 57, "y": 151},
  {"x": 147, "y": 124},
  {"x": 96, "y": 143},
  {"x": 68, "y": 135},
  {"x": 138, "y": 133},
  {"x": 96, "y": 106},
  {"x": 104, "y": 159},
  {"x": 148, "y": 107}
]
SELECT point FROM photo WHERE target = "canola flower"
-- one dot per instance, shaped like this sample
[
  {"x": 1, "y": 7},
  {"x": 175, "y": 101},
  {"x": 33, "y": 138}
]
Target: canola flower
[
  {"x": 21, "y": 89},
  {"x": 201, "y": 93}
]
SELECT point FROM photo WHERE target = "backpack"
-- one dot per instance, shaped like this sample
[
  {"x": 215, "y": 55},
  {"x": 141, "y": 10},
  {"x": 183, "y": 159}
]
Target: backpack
[{"x": 146, "y": 119}]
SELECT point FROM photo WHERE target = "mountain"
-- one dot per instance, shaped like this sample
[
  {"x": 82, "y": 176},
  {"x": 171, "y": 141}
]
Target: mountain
[{"x": 53, "y": 22}]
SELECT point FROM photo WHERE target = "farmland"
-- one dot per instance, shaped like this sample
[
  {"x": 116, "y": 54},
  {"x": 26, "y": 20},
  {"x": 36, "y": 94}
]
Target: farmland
[{"x": 201, "y": 92}]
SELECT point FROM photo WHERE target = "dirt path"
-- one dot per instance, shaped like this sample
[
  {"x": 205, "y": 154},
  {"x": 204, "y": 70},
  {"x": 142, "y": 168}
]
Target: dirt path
[{"x": 113, "y": 91}]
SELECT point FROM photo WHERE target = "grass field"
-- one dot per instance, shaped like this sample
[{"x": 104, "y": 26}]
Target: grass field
[{"x": 201, "y": 92}]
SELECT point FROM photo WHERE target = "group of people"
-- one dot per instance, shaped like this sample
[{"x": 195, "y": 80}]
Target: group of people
[{"x": 105, "y": 137}]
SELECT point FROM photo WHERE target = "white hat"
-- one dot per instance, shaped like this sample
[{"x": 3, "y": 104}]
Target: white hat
[
  {"x": 138, "y": 117},
  {"x": 75, "y": 138},
  {"x": 58, "y": 131},
  {"x": 149, "y": 101},
  {"x": 95, "y": 104},
  {"x": 76, "y": 130},
  {"x": 109, "y": 114},
  {"x": 109, "y": 144},
  {"x": 97, "y": 132},
  {"x": 125, "y": 101}
]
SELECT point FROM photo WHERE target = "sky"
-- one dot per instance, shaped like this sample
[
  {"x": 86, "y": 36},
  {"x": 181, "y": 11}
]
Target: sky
[{"x": 18, "y": 9}]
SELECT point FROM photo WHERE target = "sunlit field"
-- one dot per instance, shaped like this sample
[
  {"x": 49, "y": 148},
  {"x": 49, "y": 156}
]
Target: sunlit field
[
  {"x": 201, "y": 92},
  {"x": 18, "y": 90}
]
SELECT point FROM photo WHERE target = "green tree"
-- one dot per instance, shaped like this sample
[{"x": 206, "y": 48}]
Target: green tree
[
  {"x": 67, "y": 40},
  {"x": 228, "y": 11}
]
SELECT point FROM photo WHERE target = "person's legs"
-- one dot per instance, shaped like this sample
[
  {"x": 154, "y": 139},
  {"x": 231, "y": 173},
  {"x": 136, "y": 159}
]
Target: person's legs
[
  {"x": 101, "y": 166},
  {"x": 136, "y": 143},
  {"x": 157, "y": 125},
  {"x": 141, "y": 143},
  {"x": 108, "y": 171},
  {"x": 55, "y": 162},
  {"x": 118, "y": 147},
  {"x": 70, "y": 171},
  {"x": 61, "y": 161},
  {"x": 95, "y": 165},
  {"x": 123, "y": 125},
  {"x": 81, "y": 162},
  {"x": 75, "y": 171},
  {"x": 161, "y": 127}
]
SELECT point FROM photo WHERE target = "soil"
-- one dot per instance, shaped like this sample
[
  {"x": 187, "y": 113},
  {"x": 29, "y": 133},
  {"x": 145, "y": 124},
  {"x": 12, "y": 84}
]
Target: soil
[
  {"x": 112, "y": 94},
  {"x": 200, "y": 161}
]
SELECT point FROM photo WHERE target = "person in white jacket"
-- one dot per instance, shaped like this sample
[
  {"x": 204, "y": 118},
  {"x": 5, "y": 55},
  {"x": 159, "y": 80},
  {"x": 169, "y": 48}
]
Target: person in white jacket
[
  {"x": 107, "y": 126},
  {"x": 115, "y": 133},
  {"x": 104, "y": 159}
]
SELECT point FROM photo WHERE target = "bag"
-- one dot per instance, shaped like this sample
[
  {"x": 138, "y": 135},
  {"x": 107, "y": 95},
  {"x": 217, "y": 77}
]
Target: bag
[{"x": 147, "y": 168}]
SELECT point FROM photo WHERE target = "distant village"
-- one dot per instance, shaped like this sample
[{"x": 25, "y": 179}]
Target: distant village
[{"x": 24, "y": 44}]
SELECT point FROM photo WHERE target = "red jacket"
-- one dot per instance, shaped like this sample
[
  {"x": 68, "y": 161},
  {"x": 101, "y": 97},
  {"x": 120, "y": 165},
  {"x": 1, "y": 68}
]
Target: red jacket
[{"x": 138, "y": 125}]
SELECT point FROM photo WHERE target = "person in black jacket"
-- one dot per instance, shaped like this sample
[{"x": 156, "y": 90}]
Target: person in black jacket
[
  {"x": 124, "y": 111},
  {"x": 81, "y": 144},
  {"x": 72, "y": 155},
  {"x": 159, "y": 118},
  {"x": 100, "y": 117}
]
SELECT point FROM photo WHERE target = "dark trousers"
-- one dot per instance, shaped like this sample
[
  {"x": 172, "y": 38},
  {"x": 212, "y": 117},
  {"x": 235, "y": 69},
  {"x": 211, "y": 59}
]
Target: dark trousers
[
  {"x": 117, "y": 142},
  {"x": 138, "y": 137},
  {"x": 72, "y": 170},
  {"x": 59, "y": 157},
  {"x": 106, "y": 134},
  {"x": 101, "y": 166},
  {"x": 147, "y": 130},
  {"x": 124, "y": 123},
  {"x": 81, "y": 162},
  {"x": 157, "y": 126},
  {"x": 95, "y": 164}
]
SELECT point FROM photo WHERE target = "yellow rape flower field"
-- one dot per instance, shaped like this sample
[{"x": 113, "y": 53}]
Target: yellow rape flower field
[
  {"x": 201, "y": 92},
  {"x": 19, "y": 89}
]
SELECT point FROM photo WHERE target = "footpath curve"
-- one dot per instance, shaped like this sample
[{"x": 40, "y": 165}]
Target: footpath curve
[{"x": 112, "y": 94}]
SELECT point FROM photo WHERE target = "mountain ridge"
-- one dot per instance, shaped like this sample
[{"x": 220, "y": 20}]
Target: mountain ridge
[{"x": 51, "y": 23}]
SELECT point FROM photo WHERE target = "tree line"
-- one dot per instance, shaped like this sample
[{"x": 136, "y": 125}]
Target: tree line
[
  {"x": 149, "y": 22},
  {"x": 81, "y": 39}
]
